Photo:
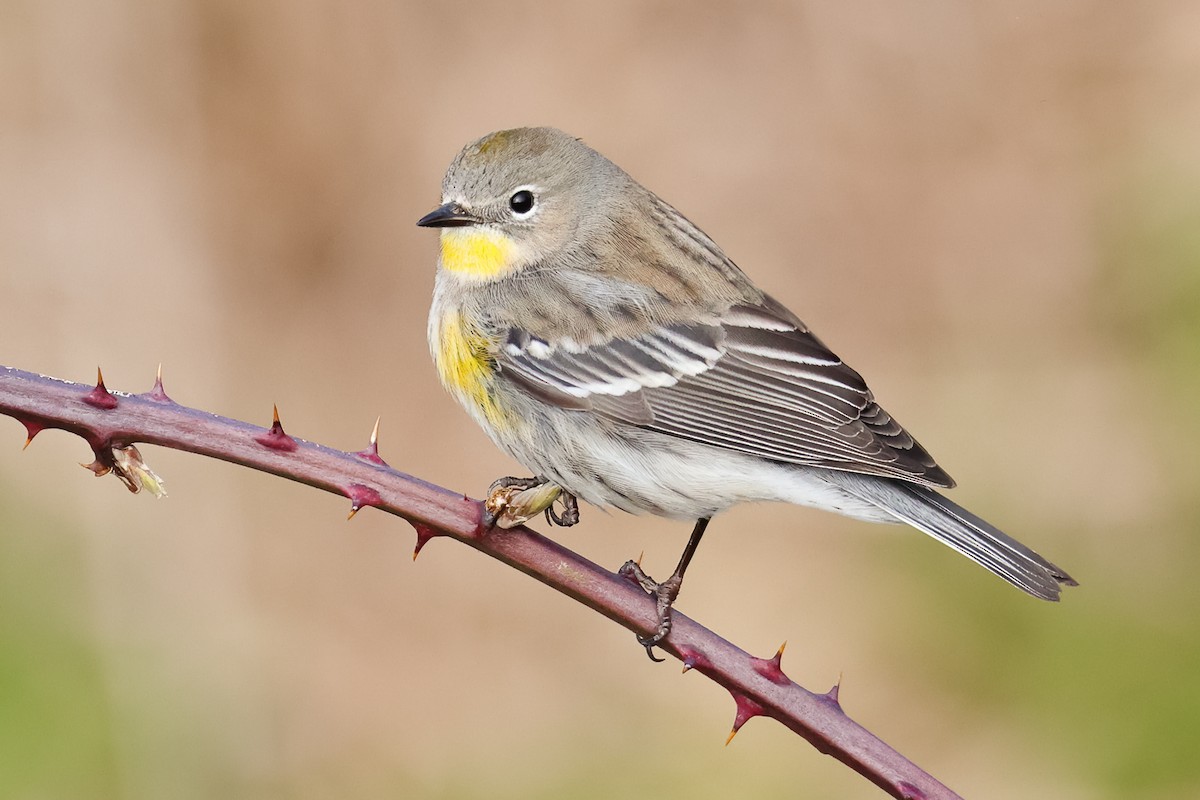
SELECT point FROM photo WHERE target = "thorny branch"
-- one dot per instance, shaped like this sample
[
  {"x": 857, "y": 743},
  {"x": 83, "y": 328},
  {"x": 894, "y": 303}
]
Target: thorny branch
[{"x": 110, "y": 422}]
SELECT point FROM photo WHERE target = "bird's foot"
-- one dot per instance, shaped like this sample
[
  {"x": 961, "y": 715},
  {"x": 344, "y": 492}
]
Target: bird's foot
[{"x": 664, "y": 595}]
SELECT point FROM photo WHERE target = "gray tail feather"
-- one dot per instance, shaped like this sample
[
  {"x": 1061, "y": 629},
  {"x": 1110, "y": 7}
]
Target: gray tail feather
[{"x": 951, "y": 524}]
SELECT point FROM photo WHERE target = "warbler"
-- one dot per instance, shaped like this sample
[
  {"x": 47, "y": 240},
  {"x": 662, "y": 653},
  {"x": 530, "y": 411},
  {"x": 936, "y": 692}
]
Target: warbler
[{"x": 609, "y": 345}]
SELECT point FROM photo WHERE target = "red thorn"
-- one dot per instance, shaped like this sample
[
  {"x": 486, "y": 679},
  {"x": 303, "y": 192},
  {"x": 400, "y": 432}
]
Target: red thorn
[
  {"x": 361, "y": 496},
  {"x": 98, "y": 467},
  {"x": 747, "y": 710},
  {"x": 32, "y": 429},
  {"x": 157, "y": 394},
  {"x": 909, "y": 792},
  {"x": 692, "y": 658},
  {"x": 770, "y": 668},
  {"x": 371, "y": 452},
  {"x": 424, "y": 534},
  {"x": 275, "y": 438},
  {"x": 99, "y": 397}
]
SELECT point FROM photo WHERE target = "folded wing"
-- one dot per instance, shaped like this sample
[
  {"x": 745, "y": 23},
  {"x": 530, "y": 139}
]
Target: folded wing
[{"x": 755, "y": 380}]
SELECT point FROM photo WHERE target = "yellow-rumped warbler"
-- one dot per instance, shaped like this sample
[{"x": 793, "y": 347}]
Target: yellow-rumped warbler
[{"x": 606, "y": 343}]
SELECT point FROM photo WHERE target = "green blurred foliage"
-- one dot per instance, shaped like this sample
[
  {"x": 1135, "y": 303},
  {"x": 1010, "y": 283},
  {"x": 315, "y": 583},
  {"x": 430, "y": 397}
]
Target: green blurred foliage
[{"x": 56, "y": 733}]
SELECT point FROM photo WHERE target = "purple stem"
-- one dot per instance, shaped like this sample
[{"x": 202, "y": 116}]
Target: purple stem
[{"x": 106, "y": 419}]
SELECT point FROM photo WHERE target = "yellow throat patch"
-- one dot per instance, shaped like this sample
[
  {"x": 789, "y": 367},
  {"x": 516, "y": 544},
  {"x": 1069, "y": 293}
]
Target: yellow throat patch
[
  {"x": 476, "y": 252},
  {"x": 465, "y": 366}
]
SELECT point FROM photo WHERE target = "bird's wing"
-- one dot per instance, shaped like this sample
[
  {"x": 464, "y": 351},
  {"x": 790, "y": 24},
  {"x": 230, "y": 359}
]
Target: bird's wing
[{"x": 754, "y": 380}]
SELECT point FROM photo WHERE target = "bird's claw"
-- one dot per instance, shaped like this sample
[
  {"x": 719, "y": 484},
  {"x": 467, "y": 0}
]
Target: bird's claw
[
  {"x": 664, "y": 594},
  {"x": 570, "y": 513}
]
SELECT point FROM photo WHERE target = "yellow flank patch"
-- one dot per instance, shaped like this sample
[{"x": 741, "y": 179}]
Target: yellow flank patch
[
  {"x": 476, "y": 252},
  {"x": 464, "y": 365}
]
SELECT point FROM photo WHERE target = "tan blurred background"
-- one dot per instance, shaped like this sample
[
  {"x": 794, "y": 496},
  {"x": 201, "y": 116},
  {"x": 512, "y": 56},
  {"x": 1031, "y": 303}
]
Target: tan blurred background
[{"x": 993, "y": 214}]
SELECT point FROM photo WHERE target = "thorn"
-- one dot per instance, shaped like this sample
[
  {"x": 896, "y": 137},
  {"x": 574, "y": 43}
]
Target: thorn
[
  {"x": 98, "y": 467},
  {"x": 832, "y": 695},
  {"x": 371, "y": 452},
  {"x": 638, "y": 560},
  {"x": 157, "y": 393},
  {"x": 275, "y": 438},
  {"x": 100, "y": 397},
  {"x": 770, "y": 668},
  {"x": 747, "y": 710},
  {"x": 32, "y": 429},
  {"x": 424, "y": 534},
  {"x": 361, "y": 496},
  {"x": 692, "y": 658}
]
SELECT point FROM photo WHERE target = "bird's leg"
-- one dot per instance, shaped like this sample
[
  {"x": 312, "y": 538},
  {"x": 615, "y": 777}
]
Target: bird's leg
[
  {"x": 665, "y": 592},
  {"x": 513, "y": 501}
]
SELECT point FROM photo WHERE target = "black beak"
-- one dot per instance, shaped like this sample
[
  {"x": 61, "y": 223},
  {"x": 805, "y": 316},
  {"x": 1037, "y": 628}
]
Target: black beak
[{"x": 450, "y": 215}]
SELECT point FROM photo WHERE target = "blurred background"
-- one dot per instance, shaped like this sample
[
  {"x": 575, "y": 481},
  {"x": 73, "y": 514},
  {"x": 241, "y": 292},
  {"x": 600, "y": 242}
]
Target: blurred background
[{"x": 993, "y": 213}]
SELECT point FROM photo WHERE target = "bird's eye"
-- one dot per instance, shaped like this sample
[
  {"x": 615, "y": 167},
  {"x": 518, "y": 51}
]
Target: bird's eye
[{"x": 521, "y": 202}]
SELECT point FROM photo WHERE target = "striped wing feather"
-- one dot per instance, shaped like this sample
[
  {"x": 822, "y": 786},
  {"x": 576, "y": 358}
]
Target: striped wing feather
[{"x": 756, "y": 381}]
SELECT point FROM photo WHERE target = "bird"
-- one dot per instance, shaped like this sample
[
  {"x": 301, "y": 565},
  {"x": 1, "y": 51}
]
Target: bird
[{"x": 610, "y": 346}]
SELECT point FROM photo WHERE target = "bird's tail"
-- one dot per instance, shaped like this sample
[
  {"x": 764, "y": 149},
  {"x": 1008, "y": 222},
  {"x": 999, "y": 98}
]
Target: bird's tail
[{"x": 951, "y": 524}]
